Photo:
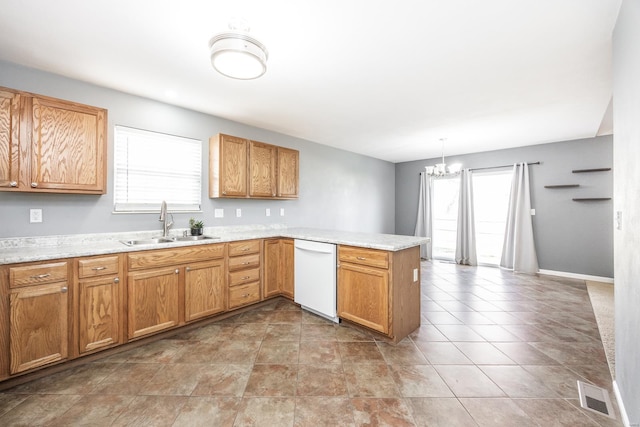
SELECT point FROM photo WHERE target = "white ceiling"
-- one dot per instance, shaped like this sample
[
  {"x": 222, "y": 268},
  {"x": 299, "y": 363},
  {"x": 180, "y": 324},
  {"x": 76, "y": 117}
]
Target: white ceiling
[{"x": 382, "y": 78}]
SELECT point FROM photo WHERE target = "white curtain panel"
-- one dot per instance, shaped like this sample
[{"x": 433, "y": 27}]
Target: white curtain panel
[
  {"x": 424, "y": 222},
  {"x": 519, "y": 250},
  {"x": 466, "y": 234}
]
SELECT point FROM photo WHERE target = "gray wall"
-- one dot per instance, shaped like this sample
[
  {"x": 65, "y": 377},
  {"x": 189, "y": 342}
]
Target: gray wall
[
  {"x": 573, "y": 237},
  {"x": 626, "y": 147},
  {"x": 338, "y": 189}
]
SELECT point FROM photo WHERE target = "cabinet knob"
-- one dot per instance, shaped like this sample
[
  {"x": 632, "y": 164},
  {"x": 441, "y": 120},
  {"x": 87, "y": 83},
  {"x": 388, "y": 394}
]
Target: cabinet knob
[
  {"x": 224, "y": 192},
  {"x": 64, "y": 289},
  {"x": 188, "y": 268},
  {"x": 13, "y": 184},
  {"x": 34, "y": 184},
  {"x": 116, "y": 280},
  {"x": 177, "y": 271}
]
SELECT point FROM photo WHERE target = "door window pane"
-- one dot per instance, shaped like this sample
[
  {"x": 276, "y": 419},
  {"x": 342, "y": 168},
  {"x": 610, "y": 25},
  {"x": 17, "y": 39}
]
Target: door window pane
[{"x": 445, "y": 217}]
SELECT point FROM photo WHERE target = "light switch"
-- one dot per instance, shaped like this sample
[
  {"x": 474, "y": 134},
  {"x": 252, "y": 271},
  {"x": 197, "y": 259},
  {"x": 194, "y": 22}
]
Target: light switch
[
  {"x": 238, "y": 213},
  {"x": 618, "y": 220},
  {"x": 218, "y": 213},
  {"x": 533, "y": 212},
  {"x": 35, "y": 215},
  {"x": 281, "y": 211},
  {"x": 267, "y": 212},
  {"x": 415, "y": 274}
]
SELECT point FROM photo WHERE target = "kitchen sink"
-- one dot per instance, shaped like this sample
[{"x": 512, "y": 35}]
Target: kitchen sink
[
  {"x": 159, "y": 240},
  {"x": 151, "y": 241},
  {"x": 193, "y": 238}
]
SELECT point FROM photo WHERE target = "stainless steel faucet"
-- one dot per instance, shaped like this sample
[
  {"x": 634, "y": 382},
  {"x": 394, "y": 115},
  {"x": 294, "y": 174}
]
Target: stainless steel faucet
[{"x": 163, "y": 217}]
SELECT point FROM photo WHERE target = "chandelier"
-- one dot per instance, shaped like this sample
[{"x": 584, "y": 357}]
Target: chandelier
[
  {"x": 237, "y": 55},
  {"x": 441, "y": 169}
]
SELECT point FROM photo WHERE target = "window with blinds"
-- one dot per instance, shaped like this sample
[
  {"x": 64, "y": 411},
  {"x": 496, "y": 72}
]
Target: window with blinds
[{"x": 151, "y": 167}]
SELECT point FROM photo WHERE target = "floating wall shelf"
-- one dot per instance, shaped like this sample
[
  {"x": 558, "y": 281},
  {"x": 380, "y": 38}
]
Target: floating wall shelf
[
  {"x": 591, "y": 170},
  {"x": 562, "y": 186},
  {"x": 591, "y": 199}
]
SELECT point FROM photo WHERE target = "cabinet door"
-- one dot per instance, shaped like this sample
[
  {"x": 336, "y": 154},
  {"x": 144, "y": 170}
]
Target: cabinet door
[
  {"x": 228, "y": 166},
  {"x": 205, "y": 289},
  {"x": 363, "y": 296},
  {"x": 286, "y": 267},
  {"x": 262, "y": 170},
  {"x": 98, "y": 313},
  {"x": 271, "y": 269},
  {"x": 39, "y": 326},
  {"x": 152, "y": 301},
  {"x": 68, "y": 152},
  {"x": 9, "y": 138},
  {"x": 288, "y": 168}
]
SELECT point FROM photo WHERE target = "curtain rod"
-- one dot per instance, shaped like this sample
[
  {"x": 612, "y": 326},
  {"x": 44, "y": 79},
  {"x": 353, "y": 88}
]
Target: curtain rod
[{"x": 498, "y": 167}]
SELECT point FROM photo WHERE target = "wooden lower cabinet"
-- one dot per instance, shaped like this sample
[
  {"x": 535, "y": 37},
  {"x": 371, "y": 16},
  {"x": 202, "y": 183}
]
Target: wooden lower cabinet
[
  {"x": 99, "y": 308},
  {"x": 380, "y": 289},
  {"x": 205, "y": 289},
  {"x": 278, "y": 267},
  {"x": 152, "y": 301},
  {"x": 244, "y": 272},
  {"x": 38, "y": 315},
  {"x": 363, "y": 296}
]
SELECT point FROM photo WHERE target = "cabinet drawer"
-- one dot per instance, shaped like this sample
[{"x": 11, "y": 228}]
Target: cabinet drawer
[
  {"x": 244, "y": 247},
  {"x": 165, "y": 257},
  {"x": 243, "y": 262},
  {"x": 245, "y": 294},
  {"x": 244, "y": 276},
  {"x": 370, "y": 257},
  {"x": 102, "y": 266},
  {"x": 37, "y": 274}
]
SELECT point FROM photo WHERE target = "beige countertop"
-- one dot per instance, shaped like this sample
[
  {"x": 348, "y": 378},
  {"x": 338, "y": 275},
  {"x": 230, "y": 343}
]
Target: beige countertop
[{"x": 28, "y": 249}]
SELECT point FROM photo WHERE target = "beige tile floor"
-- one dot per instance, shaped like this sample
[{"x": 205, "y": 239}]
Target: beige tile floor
[{"x": 494, "y": 349}]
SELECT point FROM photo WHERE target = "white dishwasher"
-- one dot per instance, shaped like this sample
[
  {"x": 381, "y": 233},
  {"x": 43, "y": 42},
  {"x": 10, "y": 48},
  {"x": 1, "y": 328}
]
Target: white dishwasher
[{"x": 315, "y": 278}]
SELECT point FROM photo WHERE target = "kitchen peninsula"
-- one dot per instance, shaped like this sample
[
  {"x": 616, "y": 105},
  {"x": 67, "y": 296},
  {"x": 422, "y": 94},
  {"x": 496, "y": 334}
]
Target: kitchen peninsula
[{"x": 65, "y": 297}]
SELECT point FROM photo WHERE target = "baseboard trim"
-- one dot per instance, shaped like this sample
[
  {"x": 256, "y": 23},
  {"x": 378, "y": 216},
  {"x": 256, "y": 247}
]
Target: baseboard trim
[
  {"x": 577, "y": 276},
  {"x": 623, "y": 412}
]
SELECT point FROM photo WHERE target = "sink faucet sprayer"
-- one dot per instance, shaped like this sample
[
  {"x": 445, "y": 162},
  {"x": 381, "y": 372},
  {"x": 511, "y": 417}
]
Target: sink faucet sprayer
[{"x": 163, "y": 217}]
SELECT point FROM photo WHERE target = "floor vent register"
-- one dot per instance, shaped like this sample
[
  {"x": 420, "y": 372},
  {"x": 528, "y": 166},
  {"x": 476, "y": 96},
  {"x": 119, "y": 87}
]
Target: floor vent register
[{"x": 595, "y": 399}]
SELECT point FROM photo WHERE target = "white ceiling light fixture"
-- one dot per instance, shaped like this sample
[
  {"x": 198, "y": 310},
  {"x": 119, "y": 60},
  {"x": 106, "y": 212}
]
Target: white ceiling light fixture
[
  {"x": 237, "y": 55},
  {"x": 441, "y": 169}
]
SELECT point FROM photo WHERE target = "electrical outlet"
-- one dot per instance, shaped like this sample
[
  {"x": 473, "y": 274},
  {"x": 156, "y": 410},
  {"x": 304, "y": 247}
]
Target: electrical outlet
[
  {"x": 533, "y": 212},
  {"x": 35, "y": 215},
  {"x": 238, "y": 213},
  {"x": 281, "y": 211},
  {"x": 218, "y": 213},
  {"x": 267, "y": 212},
  {"x": 415, "y": 274}
]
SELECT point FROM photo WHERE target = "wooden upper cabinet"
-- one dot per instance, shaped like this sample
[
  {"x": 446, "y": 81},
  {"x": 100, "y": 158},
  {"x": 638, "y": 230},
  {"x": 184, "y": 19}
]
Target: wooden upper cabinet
[
  {"x": 50, "y": 145},
  {"x": 262, "y": 169},
  {"x": 9, "y": 138},
  {"x": 288, "y": 170},
  {"x": 228, "y": 166},
  {"x": 68, "y": 147},
  {"x": 240, "y": 168}
]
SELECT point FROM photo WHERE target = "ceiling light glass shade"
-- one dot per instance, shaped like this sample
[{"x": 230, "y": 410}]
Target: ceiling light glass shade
[
  {"x": 441, "y": 169},
  {"x": 238, "y": 56}
]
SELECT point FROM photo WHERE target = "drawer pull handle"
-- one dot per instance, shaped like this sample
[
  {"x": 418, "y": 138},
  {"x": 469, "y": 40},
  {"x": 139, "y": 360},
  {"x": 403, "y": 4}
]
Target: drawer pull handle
[
  {"x": 245, "y": 249},
  {"x": 246, "y": 295},
  {"x": 40, "y": 276},
  {"x": 361, "y": 258},
  {"x": 64, "y": 290},
  {"x": 246, "y": 277},
  {"x": 246, "y": 263},
  {"x": 99, "y": 268}
]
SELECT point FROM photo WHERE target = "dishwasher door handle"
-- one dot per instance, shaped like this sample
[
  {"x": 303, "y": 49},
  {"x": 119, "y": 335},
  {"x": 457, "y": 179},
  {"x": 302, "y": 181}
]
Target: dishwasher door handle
[{"x": 314, "y": 250}]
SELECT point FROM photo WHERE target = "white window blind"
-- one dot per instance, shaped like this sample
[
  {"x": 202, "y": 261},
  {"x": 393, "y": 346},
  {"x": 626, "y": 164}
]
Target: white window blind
[{"x": 151, "y": 167}]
